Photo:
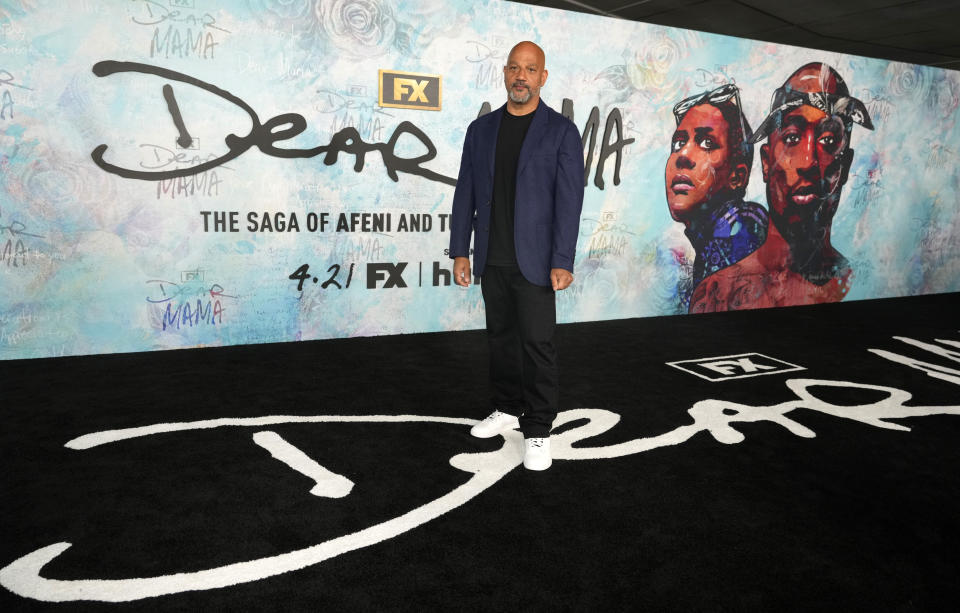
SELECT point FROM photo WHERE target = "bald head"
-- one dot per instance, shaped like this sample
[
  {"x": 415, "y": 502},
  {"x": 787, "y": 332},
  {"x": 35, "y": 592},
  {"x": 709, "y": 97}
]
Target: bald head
[
  {"x": 523, "y": 76},
  {"x": 527, "y": 46}
]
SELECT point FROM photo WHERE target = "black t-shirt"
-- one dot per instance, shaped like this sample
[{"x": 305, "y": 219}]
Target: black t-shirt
[{"x": 501, "y": 250}]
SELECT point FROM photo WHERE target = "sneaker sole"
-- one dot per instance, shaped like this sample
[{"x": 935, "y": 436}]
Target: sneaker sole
[{"x": 537, "y": 468}]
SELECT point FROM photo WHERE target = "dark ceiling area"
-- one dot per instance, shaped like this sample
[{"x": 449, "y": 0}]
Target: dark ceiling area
[{"x": 921, "y": 32}]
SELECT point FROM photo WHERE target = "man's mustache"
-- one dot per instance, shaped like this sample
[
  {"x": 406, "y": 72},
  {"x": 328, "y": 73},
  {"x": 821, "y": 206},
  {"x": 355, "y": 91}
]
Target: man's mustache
[
  {"x": 808, "y": 188},
  {"x": 819, "y": 189},
  {"x": 814, "y": 183}
]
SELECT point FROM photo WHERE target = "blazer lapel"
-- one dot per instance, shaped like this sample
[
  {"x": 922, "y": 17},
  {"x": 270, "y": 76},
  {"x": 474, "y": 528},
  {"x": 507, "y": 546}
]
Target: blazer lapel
[
  {"x": 492, "y": 140},
  {"x": 538, "y": 129}
]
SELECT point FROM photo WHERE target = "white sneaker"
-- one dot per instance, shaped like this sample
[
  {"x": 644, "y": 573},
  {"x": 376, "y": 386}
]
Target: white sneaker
[
  {"x": 536, "y": 453},
  {"x": 494, "y": 424}
]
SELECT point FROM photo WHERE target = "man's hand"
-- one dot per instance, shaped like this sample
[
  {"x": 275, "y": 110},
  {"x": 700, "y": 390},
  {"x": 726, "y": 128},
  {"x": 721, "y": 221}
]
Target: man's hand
[
  {"x": 560, "y": 278},
  {"x": 461, "y": 271}
]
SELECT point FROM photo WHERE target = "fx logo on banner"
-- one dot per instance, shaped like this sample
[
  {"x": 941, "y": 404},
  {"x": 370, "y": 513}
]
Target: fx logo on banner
[
  {"x": 410, "y": 90},
  {"x": 740, "y": 366}
]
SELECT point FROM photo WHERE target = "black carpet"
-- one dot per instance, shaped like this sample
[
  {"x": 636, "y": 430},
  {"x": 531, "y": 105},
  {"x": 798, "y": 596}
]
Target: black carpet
[{"x": 815, "y": 510}]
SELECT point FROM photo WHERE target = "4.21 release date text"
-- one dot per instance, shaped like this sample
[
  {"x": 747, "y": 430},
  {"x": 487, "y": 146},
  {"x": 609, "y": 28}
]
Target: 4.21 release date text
[{"x": 302, "y": 275}]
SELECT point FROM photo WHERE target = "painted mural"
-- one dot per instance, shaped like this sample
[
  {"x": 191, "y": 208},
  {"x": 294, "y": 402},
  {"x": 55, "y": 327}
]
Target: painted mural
[{"x": 188, "y": 173}]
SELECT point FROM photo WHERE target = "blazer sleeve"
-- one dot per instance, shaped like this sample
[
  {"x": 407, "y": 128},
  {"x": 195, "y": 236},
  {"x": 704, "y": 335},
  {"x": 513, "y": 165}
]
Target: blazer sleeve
[
  {"x": 461, "y": 217},
  {"x": 567, "y": 199}
]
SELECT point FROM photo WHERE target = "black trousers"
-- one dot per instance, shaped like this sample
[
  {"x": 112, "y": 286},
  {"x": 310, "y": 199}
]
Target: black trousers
[{"x": 521, "y": 318}]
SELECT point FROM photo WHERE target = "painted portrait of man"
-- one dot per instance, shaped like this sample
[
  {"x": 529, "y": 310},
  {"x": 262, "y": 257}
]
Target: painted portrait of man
[
  {"x": 806, "y": 161},
  {"x": 706, "y": 178}
]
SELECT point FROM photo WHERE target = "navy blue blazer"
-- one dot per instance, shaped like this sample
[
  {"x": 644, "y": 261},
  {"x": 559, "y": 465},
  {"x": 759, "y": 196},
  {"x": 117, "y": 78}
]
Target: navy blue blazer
[{"x": 549, "y": 194}]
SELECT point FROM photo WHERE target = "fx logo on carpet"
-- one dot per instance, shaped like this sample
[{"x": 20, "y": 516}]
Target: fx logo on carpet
[{"x": 740, "y": 366}]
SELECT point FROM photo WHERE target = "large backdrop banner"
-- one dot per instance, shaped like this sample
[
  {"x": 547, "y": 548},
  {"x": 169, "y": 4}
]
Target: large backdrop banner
[{"x": 187, "y": 173}]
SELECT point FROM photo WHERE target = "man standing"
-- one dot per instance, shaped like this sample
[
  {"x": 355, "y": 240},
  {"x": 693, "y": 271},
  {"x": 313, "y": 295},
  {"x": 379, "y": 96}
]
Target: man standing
[
  {"x": 519, "y": 193},
  {"x": 806, "y": 161}
]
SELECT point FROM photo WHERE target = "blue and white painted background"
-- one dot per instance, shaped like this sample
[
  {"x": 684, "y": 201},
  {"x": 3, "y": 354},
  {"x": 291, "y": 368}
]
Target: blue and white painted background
[{"x": 93, "y": 262}]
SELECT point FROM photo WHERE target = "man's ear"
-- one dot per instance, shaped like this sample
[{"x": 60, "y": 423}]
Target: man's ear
[
  {"x": 845, "y": 163},
  {"x": 765, "y": 162},
  {"x": 739, "y": 175},
  {"x": 543, "y": 80}
]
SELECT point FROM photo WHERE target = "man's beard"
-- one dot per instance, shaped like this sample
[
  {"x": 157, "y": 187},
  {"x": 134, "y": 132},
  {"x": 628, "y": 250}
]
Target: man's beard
[
  {"x": 520, "y": 99},
  {"x": 809, "y": 234},
  {"x": 811, "y": 223}
]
